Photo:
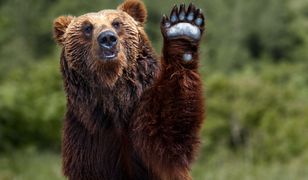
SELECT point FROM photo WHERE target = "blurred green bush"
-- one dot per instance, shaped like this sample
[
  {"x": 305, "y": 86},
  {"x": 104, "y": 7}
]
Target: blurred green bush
[
  {"x": 32, "y": 106},
  {"x": 254, "y": 67},
  {"x": 262, "y": 109}
]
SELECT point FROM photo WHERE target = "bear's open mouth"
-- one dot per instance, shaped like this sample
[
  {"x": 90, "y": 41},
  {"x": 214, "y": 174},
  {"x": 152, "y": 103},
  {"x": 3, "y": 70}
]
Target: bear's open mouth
[{"x": 108, "y": 54}]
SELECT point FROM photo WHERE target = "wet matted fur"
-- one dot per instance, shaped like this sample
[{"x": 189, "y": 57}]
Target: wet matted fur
[{"x": 135, "y": 116}]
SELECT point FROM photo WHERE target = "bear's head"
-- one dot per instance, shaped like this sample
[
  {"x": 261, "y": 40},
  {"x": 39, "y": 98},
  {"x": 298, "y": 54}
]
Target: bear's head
[{"x": 100, "y": 46}]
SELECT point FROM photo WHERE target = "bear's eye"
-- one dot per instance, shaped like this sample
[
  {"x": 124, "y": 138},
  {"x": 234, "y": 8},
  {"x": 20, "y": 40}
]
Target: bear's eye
[
  {"x": 116, "y": 24},
  {"x": 87, "y": 29}
]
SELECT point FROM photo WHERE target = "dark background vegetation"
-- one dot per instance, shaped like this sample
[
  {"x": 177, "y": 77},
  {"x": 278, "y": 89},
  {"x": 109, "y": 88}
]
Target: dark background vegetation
[{"x": 255, "y": 72}]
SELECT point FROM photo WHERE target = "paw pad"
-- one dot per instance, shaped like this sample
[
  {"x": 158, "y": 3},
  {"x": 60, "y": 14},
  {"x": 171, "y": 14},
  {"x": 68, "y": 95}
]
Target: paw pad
[
  {"x": 198, "y": 21},
  {"x": 187, "y": 57},
  {"x": 183, "y": 23}
]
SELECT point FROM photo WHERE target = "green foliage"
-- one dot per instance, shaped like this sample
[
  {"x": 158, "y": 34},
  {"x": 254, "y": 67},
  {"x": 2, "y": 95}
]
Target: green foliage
[
  {"x": 261, "y": 109},
  {"x": 30, "y": 165},
  {"x": 32, "y": 106},
  {"x": 241, "y": 32}
]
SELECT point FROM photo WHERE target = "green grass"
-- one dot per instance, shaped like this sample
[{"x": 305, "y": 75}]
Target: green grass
[
  {"x": 31, "y": 165},
  {"x": 241, "y": 168}
]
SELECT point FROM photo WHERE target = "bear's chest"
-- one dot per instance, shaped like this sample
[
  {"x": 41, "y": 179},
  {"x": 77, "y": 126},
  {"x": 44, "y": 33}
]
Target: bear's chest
[{"x": 107, "y": 153}]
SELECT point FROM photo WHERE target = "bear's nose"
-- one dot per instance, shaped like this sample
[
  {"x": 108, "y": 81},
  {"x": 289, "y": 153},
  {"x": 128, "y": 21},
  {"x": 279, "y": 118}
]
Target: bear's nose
[{"x": 107, "y": 39}]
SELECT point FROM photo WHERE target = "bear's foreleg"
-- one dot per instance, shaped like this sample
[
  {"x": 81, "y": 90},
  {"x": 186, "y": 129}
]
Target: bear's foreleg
[{"x": 169, "y": 116}]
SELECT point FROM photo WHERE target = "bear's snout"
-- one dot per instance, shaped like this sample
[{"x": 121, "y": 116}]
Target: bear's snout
[{"x": 107, "y": 41}]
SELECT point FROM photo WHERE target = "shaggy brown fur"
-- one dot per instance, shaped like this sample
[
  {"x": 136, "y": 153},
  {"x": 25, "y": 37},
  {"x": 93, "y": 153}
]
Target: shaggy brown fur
[{"x": 132, "y": 117}]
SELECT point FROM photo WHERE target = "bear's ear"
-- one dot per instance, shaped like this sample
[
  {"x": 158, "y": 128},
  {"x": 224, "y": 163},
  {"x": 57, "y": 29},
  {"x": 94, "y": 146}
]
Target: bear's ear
[
  {"x": 59, "y": 27},
  {"x": 134, "y": 8}
]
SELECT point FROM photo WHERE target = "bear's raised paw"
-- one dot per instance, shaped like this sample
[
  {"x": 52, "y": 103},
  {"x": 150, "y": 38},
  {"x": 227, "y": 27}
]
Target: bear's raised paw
[{"x": 183, "y": 23}]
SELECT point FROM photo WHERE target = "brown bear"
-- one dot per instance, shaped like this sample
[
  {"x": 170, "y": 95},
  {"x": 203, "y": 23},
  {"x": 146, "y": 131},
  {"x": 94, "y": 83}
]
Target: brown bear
[{"x": 130, "y": 115}]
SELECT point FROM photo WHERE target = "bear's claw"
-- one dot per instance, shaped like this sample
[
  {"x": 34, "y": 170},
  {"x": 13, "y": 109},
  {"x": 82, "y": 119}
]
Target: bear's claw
[{"x": 183, "y": 23}]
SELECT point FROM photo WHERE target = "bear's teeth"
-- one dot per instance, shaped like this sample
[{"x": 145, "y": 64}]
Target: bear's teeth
[{"x": 110, "y": 56}]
